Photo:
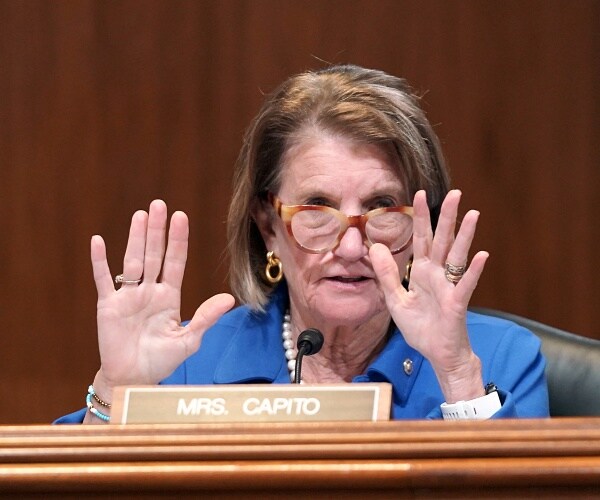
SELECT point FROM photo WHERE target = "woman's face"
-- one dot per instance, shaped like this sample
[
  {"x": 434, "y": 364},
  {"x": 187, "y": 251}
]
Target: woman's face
[{"x": 336, "y": 288}]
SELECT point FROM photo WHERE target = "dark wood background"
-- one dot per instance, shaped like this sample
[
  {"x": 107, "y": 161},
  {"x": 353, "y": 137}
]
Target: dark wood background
[{"x": 105, "y": 105}]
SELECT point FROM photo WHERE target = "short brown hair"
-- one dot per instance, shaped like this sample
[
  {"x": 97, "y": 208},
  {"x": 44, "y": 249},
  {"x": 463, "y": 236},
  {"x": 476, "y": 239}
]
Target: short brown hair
[{"x": 361, "y": 104}]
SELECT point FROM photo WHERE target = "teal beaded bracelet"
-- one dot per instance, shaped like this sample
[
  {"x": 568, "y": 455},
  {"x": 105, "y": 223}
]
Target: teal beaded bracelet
[{"x": 88, "y": 401}]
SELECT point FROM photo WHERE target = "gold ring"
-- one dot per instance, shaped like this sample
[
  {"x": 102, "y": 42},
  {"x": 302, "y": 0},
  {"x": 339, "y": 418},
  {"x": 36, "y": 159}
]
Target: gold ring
[{"x": 454, "y": 273}]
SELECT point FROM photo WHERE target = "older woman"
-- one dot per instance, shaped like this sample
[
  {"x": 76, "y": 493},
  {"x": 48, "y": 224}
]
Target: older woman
[{"x": 338, "y": 190}]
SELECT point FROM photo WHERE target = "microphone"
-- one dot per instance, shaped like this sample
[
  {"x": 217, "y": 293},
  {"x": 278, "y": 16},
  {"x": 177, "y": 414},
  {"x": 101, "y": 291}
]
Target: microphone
[{"x": 309, "y": 342}]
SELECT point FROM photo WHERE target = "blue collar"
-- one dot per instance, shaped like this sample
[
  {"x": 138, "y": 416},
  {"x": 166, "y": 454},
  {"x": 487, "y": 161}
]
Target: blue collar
[
  {"x": 258, "y": 337},
  {"x": 390, "y": 365}
]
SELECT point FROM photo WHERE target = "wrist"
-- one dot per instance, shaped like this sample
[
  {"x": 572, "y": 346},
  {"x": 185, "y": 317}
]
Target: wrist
[
  {"x": 97, "y": 407},
  {"x": 102, "y": 388},
  {"x": 480, "y": 408},
  {"x": 463, "y": 383}
]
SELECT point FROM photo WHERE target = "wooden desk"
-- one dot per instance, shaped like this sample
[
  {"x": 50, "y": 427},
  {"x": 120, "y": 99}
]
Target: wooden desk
[{"x": 558, "y": 458}]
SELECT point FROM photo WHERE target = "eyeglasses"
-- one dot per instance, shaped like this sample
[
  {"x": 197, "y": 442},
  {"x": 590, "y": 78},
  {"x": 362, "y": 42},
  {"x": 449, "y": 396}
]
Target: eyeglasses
[{"x": 318, "y": 229}]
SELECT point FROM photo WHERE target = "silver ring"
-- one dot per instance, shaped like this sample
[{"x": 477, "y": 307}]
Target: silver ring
[
  {"x": 454, "y": 273},
  {"x": 120, "y": 280}
]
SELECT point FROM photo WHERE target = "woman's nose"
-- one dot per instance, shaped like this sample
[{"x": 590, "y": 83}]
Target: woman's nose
[{"x": 352, "y": 245}]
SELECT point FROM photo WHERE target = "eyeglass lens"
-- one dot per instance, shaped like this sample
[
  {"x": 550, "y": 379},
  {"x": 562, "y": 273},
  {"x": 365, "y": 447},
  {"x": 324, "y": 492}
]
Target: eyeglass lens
[{"x": 318, "y": 231}]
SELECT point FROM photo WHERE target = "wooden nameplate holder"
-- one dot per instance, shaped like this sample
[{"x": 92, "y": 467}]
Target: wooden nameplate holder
[{"x": 180, "y": 404}]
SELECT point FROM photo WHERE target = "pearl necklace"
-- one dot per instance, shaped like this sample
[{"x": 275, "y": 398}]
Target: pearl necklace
[{"x": 288, "y": 344}]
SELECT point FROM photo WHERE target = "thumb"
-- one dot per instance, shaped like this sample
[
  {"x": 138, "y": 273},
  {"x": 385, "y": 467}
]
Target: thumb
[
  {"x": 209, "y": 312},
  {"x": 386, "y": 270}
]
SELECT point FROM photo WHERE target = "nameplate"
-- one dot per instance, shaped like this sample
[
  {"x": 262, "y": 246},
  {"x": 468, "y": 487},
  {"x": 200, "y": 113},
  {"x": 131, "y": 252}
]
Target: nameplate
[{"x": 178, "y": 404}]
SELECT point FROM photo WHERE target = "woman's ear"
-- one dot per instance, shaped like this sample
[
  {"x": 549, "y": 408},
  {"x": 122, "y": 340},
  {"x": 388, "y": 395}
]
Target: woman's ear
[{"x": 264, "y": 219}]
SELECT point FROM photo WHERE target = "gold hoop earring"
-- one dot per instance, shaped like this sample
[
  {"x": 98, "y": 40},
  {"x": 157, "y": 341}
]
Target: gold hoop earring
[
  {"x": 273, "y": 262},
  {"x": 408, "y": 270}
]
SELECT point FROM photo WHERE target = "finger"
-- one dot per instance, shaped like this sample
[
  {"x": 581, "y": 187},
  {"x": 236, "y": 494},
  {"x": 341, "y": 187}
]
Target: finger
[
  {"x": 205, "y": 316},
  {"x": 155, "y": 240},
  {"x": 466, "y": 286},
  {"x": 387, "y": 273},
  {"x": 102, "y": 276},
  {"x": 176, "y": 255},
  {"x": 422, "y": 233},
  {"x": 459, "y": 252},
  {"x": 133, "y": 262},
  {"x": 444, "y": 232}
]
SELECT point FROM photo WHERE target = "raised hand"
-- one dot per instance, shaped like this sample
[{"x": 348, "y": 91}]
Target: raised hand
[
  {"x": 432, "y": 314},
  {"x": 140, "y": 335}
]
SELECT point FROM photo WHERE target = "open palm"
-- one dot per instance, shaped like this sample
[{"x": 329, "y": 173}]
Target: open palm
[
  {"x": 432, "y": 314},
  {"x": 140, "y": 336}
]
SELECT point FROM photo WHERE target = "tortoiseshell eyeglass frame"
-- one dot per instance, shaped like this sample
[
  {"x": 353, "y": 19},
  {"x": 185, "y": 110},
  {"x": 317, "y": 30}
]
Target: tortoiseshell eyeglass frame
[{"x": 286, "y": 212}]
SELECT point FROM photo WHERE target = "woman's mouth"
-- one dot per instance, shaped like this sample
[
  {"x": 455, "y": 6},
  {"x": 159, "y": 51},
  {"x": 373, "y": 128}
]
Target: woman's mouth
[{"x": 348, "y": 279}]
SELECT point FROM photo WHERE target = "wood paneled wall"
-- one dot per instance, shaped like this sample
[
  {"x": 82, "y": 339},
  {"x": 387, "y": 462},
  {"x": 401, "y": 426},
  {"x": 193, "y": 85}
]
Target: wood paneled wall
[{"x": 105, "y": 105}]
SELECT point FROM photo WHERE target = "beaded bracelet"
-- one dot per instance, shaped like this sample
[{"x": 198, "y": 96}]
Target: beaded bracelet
[
  {"x": 98, "y": 400},
  {"x": 90, "y": 405}
]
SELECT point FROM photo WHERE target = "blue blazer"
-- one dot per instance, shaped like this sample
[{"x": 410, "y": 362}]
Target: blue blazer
[{"x": 245, "y": 347}]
